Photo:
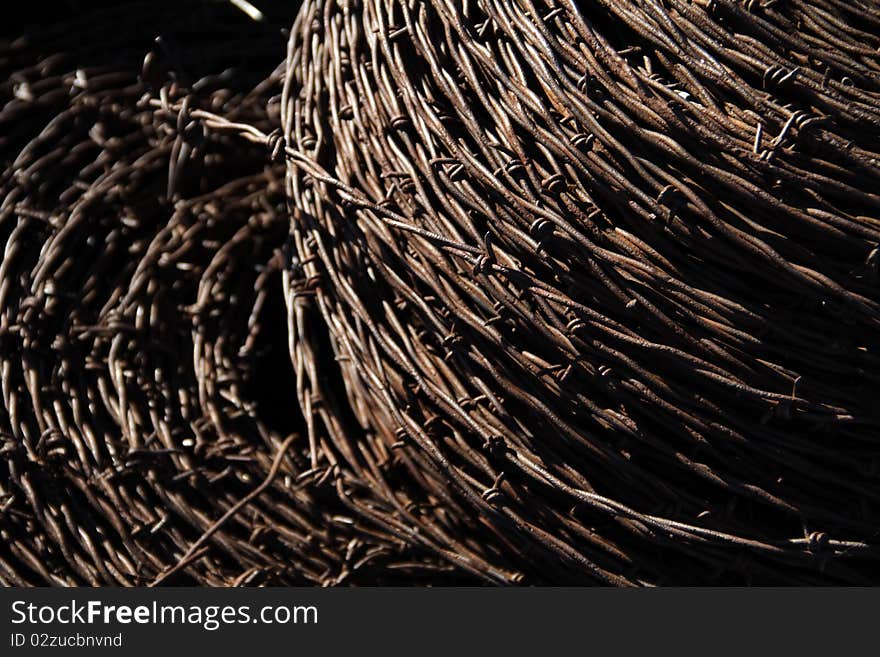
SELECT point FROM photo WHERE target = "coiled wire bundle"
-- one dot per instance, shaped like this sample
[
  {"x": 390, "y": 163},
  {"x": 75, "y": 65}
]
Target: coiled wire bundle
[
  {"x": 148, "y": 424},
  {"x": 609, "y": 268},
  {"x": 572, "y": 292}
]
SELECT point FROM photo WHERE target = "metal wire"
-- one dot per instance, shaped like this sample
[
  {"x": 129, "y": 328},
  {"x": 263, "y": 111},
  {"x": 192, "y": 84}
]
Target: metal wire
[
  {"x": 608, "y": 267},
  {"x": 481, "y": 291},
  {"x": 143, "y": 327}
]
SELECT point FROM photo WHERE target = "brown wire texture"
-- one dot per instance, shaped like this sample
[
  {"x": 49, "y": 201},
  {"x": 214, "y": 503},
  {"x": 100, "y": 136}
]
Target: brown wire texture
[{"x": 499, "y": 291}]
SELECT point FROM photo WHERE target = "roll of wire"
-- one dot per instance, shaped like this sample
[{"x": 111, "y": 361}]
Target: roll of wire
[{"x": 464, "y": 291}]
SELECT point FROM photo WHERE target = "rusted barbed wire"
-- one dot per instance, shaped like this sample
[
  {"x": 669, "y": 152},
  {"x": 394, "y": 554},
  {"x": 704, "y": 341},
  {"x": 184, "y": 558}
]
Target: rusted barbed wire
[
  {"x": 571, "y": 292},
  {"x": 608, "y": 267},
  {"x": 145, "y": 381}
]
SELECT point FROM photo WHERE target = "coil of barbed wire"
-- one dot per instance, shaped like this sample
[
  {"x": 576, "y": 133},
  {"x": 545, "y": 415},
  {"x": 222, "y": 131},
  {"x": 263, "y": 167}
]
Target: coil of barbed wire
[
  {"x": 147, "y": 434},
  {"x": 609, "y": 268},
  {"x": 463, "y": 291}
]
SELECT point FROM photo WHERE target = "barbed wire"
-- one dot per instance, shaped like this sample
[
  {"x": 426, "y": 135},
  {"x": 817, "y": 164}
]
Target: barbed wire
[{"x": 503, "y": 292}]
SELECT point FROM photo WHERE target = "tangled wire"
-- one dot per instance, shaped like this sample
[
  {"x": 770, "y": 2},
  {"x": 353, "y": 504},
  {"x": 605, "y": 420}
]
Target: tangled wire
[{"x": 564, "y": 292}]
